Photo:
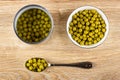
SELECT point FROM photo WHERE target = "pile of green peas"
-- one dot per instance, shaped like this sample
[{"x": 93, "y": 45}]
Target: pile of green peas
[
  {"x": 87, "y": 27},
  {"x": 36, "y": 64},
  {"x": 33, "y": 25}
]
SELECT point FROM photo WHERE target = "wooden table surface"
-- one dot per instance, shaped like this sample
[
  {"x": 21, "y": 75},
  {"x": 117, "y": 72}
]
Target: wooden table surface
[{"x": 58, "y": 48}]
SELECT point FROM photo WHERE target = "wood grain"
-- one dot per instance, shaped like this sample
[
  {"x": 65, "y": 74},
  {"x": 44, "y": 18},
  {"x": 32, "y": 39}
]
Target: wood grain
[{"x": 58, "y": 48}]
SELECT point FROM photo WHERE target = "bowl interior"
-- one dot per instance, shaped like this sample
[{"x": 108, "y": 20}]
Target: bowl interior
[
  {"x": 25, "y": 8},
  {"x": 89, "y": 8}
]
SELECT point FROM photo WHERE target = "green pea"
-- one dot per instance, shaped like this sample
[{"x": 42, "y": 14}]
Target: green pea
[
  {"x": 87, "y": 28},
  {"x": 84, "y": 13},
  {"x": 98, "y": 39},
  {"x": 42, "y": 22},
  {"x": 39, "y": 70},
  {"x": 46, "y": 34},
  {"x": 37, "y": 34},
  {"x": 89, "y": 18},
  {"x": 84, "y": 38},
  {"x": 82, "y": 43},
  {"x": 74, "y": 16},
  {"x": 46, "y": 19},
  {"x": 38, "y": 63},
  {"x": 96, "y": 22},
  {"x": 96, "y": 35},
  {"x": 90, "y": 34},
  {"x": 89, "y": 39},
  {"x": 80, "y": 30},
  {"x": 93, "y": 11},
  {"x": 31, "y": 68},
  {"x": 28, "y": 64},
  {"x": 36, "y": 40},
  {"x": 42, "y": 17},
  {"x": 82, "y": 23},
  {"x": 99, "y": 26},
  {"x": 87, "y": 23},
  {"x": 35, "y": 30},
  {"x": 29, "y": 34},
  {"x": 71, "y": 24},
  {"x": 43, "y": 13},
  {"x": 86, "y": 43},
  {"x": 41, "y": 67},
  {"x": 20, "y": 35},
  {"x": 31, "y": 19},
  {"x": 86, "y": 20},
  {"x": 74, "y": 28},
  {"x": 91, "y": 14},
  {"x": 30, "y": 61},
  {"x": 78, "y": 19},
  {"x": 96, "y": 31},
  {"x": 39, "y": 60},
  {"x": 48, "y": 25},
  {"x": 76, "y": 38},
  {"x": 24, "y": 38},
  {"x": 103, "y": 30},
  {"x": 93, "y": 36},
  {"x": 28, "y": 16},
  {"x": 91, "y": 21},
  {"x": 79, "y": 25},
  {"x": 84, "y": 35},
  {"x": 24, "y": 25},
  {"x": 29, "y": 29},
  {"x": 70, "y": 31},
  {"x": 78, "y": 35},
  {"x": 29, "y": 25},
  {"x": 39, "y": 11},
  {"x": 34, "y": 23},
  {"x": 95, "y": 41},
  {"x": 73, "y": 36},
  {"x": 74, "y": 21},
  {"x": 34, "y": 65},
  {"x": 34, "y": 17},
  {"x": 45, "y": 64},
  {"x": 24, "y": 34},
  {"x": 81, "y": 37},
  {"x": 101, "y": 35},
  {"x": 89, "y": 43},
  {"x": 93, "y": 25},
  {"x": 81, "y": 16},
  {"x": 38, "y": 16},
  {"x": 95, "y": 16},
  {"x": 25, "y": 30},
  {"x": 86, "y": 32},
  {"x": 34, "y": 60},
  {"x": 87, "y": 15}
]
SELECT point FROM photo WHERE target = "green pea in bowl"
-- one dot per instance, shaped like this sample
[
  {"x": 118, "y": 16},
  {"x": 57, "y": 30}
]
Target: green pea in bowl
[
  {"x": 87, "y": 27},
  {"x": 33, "y": 24}
]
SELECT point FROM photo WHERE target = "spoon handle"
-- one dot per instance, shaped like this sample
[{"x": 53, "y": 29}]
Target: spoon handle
[{"x": 86, "y": 65}]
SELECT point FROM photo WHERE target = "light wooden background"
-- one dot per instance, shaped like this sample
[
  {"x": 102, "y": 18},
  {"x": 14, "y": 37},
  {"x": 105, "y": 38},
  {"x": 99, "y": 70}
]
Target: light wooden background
[{"x": 58, "y": 48}]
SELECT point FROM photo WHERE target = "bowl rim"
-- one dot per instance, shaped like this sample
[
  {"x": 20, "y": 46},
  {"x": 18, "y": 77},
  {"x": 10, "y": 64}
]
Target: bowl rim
[
  {"x": 27, "y": 7},
  {"x": 104, "y": 18}
]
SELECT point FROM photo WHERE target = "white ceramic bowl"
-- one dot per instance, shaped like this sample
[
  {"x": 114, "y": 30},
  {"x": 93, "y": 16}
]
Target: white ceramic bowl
[
  {"x": 104, "y": 18},
  {"x": 25, "y": 8}
]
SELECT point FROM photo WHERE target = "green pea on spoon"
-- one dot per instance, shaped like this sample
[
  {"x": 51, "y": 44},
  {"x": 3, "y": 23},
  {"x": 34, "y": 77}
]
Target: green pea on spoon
[{"x": 40, "y": 64}]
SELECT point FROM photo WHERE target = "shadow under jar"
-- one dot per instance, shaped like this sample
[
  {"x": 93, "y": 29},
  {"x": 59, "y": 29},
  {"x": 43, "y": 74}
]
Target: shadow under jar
[{"x": 33, "y": 24}]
